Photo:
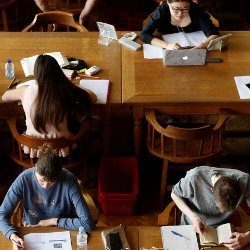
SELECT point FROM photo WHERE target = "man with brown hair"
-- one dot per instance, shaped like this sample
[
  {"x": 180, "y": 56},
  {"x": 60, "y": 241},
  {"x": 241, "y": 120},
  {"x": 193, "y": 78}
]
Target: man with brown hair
[
  {"x": 51, "y": 196},
  {"x": 209, "y": 196}
]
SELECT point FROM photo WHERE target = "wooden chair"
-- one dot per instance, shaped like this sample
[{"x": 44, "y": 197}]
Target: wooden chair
[
  {"x": 3, "y": 7},
  {"x": 183, "y": 145},
  {"x": 76, "y": 157},
  {"x": 44, "y": 22},
  {"x": 16, "y": 218}
]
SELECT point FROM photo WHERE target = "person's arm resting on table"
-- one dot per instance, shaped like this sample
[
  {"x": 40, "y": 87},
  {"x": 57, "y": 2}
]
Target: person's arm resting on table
[
  {"x": 10, "y": 202},
  {"x": 199, "y": 225},
  {"x": 14, "y": 95}
]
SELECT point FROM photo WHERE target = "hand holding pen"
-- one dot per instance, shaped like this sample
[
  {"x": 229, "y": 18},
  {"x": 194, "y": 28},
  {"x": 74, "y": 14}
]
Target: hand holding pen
[
  {"x": 13, "y": 83},
  {"x": 18, "y": 243}
]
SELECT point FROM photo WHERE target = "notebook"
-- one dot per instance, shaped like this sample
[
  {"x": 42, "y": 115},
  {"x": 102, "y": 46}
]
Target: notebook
[
  {"x": 29, "y": 62},
  {"x": 99, "y": 87},
  {"x": 179, "y": 238},
  {"x": 184, "y": 57}
]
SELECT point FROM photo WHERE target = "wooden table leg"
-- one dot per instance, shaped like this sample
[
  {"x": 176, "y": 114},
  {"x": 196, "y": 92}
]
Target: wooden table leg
[{"x": 138, "y": 114}]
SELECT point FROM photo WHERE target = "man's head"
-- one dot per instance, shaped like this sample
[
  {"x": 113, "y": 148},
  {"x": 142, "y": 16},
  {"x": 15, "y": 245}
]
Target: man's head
[
  {"x": 227, "y": 193},
  {"x": 48, "y": 167}
]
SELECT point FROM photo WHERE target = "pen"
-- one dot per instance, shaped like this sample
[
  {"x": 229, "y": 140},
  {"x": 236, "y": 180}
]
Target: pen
[
  {"x": 17, "y": 243},
  {"x": 175, "y": 233},
  {"x": 11, "y": 83},
  {"x": 14, "y": 84}
]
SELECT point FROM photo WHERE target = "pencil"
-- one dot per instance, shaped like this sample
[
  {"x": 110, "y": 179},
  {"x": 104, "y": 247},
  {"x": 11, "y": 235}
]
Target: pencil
[
  {"x": 10, "y": 86},
  {"x": 81, "y": 75}
]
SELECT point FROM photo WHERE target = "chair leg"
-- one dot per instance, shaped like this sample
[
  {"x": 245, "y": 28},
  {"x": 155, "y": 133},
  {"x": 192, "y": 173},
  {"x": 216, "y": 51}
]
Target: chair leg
[
  {"x": 5, "y": 23},
  {"x": 163, "y": 182}
]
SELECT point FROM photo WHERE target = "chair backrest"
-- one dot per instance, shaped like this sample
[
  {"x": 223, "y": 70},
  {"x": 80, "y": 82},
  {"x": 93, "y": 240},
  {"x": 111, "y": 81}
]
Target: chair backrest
[
  {"x": 72, "y": 161},
  {"x": 44, "y": 21},
  {"x": 185, "y": 145},
  {"x": 171, "y": 215}
]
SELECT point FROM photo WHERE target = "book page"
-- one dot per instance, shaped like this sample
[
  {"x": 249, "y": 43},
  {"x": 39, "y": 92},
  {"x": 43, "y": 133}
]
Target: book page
[
  {"x": 224, "y": 232},
  {"x": 209, "y": 237},
  {"x": 185, "y": 39},
  {"x": 172, "y": 241},
  {"x": 98, "y": 87}
]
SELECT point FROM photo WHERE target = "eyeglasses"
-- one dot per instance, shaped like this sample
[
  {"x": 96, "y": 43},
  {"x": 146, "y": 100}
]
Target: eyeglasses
[{"x": 177, "y": 10}]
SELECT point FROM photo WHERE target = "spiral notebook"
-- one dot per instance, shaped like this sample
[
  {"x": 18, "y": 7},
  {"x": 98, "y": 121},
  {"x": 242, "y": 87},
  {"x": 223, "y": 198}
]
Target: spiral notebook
[{"x": 99, "y": 87}]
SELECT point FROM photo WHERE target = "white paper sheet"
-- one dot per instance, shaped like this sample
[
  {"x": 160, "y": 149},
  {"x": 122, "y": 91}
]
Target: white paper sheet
[
  {"x": 174, "y": 242},
  {"x": 152, "y": 52},
  {"x": 98, "y": 87},
  {"x": 185, "y": 39},
  {"x": 48, "y": 241},
  {"x": 244, "y": 91}
]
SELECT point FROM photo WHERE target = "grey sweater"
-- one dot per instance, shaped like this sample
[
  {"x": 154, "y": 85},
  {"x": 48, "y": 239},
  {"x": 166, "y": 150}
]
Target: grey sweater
[{"x": 195, "y": 189}]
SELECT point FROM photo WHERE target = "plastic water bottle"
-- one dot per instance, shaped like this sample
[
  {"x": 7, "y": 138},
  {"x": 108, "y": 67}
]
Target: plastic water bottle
[
  {"x": 82, "y": 243},
  {"x": 9, "y": 69}
]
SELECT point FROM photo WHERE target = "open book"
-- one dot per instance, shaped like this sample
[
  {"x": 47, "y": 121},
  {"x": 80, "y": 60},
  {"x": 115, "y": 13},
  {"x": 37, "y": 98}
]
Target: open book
[
  {"x": 98, "y": 87},
  {"x": 29, "y": 62},
  {"x": 216, "y": 236}
]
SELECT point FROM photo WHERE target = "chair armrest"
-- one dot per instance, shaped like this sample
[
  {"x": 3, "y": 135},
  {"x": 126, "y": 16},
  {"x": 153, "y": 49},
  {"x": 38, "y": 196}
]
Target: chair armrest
[
  {"x": 84, "y": 130},
  {"x": 166, "y": 215},
  {"x": 223, "y": 117},
  {"x": 150, "y": 117}
]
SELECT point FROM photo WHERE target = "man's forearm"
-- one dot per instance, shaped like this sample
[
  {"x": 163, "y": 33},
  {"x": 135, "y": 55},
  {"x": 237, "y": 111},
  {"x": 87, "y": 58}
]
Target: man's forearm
[{"x": 181, "y": 204}]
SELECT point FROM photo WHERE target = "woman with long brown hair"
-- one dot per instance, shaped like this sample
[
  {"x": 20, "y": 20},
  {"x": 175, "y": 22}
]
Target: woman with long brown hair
[{"x": 50, "y": 102}]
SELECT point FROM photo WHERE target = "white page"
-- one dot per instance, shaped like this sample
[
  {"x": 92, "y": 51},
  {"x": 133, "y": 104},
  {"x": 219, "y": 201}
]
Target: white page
[
  {"x": 152, "y": 52},
  {"x": 99, "y": 87},
  {"x": 186, "y": 39},
  {"x": 29, "y": 62},
  {"x": 174, "y": 242},
  {"x": 244, "y": 91},
  {"x": 48, "y": 241}
]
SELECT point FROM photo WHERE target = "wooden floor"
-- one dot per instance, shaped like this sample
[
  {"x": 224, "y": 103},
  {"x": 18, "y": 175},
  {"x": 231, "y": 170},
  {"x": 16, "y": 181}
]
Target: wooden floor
[{"x": 146, "y": 209}]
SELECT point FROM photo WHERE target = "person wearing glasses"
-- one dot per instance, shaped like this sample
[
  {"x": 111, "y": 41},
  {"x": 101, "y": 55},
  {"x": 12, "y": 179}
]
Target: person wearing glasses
[{"x": 176, "y": 16}]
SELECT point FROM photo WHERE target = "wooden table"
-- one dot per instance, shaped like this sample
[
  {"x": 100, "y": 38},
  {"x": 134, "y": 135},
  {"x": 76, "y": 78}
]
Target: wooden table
[
  {"x": 94, "y": 238},
  {"x": 138, "y": 236},
  {"x": 17, "y": 45},
  {"x": 186, "y": 89}
]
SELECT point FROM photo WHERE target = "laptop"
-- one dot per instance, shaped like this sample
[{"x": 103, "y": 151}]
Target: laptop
[{"x": 184, "y": 57}]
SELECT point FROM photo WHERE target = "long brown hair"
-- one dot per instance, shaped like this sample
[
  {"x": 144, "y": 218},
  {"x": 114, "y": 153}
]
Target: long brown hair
[{"x": 56, "y": 96}]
